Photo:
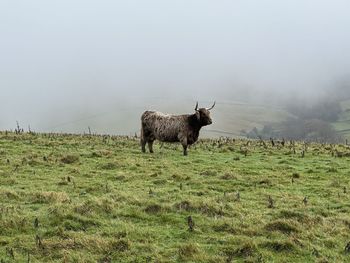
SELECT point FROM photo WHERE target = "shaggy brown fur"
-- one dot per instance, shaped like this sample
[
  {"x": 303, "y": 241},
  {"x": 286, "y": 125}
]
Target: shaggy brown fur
[{"x": 173, "y": 128}]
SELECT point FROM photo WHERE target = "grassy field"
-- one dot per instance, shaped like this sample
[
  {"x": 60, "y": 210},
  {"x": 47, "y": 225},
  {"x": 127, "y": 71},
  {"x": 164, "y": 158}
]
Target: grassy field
[
  {"x": 230, "y": 117},
  {"x": 71, "y": 198},
  {"x": 237, "y": 117},
  {"x": 343, "y": 124}
]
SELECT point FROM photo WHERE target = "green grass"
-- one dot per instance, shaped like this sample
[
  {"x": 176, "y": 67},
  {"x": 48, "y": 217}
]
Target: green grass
[
  {"x": 342, "y": 126},
  {"x": 72, "y": 198},
  {"x": 237, "y": 117}
]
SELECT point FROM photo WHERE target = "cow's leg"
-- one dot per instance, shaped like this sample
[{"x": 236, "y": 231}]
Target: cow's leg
[
  {"x": 143, "y": 145},
  {"x": 185, "y": 149},
  {"x": 143, "y": 141},
  {"x": 183, "y": 140},
  {"x": 150, "y": 146}
]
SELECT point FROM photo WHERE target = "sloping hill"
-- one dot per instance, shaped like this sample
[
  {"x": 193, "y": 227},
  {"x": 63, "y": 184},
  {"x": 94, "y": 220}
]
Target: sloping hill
[
  {"x": 229, "y": 117},
  {"x": 235, "y": 117},
  {"x": 343, "y": 124},
  {"x": 74, "y": 198}
]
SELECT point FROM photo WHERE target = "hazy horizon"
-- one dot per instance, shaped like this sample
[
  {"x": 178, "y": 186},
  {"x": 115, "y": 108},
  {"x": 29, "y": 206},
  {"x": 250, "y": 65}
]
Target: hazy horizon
[{"x": 68, "y": 65}]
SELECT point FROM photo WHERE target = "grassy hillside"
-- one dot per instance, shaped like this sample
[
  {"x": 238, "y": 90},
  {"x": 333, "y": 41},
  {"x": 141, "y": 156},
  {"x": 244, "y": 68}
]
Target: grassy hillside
[
  {"x": 230, "y": 117},
  {"x": 237, "y": 117},
  {"x": 71, "y": 198},
  {"x": 343, "y": 124}
]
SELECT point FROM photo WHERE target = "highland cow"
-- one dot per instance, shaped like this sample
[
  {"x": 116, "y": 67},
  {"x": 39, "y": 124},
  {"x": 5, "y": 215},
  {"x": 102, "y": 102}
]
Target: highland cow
[{"x": 173, "y": 128}]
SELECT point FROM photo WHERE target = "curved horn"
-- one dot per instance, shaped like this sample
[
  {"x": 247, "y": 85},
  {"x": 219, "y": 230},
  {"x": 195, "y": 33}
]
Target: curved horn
[
  {"x": 211, "y": 106},
  {"x": 196, "y": 108}
]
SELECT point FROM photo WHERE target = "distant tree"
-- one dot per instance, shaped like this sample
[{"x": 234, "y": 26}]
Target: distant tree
[
  {"x": 267, "y": 130},
  {"x": 293, "y": 128},
  {"x": 323, "y": 131},
  {"x": 311, "y": 130},
  {"x": 253, "y": 134},
  {"x": 327, "y": 111},
  {"x": 323, "y": 110}
]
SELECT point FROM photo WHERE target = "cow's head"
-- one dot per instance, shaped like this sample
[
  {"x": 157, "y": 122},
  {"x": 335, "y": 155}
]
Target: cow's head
[{"x": 203, "y": 115}]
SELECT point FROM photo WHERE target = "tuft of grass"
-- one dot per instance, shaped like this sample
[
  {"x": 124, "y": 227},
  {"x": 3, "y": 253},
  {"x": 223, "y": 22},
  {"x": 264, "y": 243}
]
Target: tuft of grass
[
  {"x": 279, "y": 246},
  {"x": 121, "y": 245},
  {"x": 283, "y": 226},
  {"x": 8, "y": 194},
  {"x": 50, "y": 197},
  {"x": 332, "y": 170},
  {"x": 209, "y": 173},
  {"x": 296, "y": 175},
  {"x": 188, "y": 251},
  {"x": 247, "y": 249},
  {"x": 153, "y": 209},
  {"x": 225, "y": 227},
  {"x": 70, "y": 159},
  {"x": 294, "y": 215},
  {"x": 184, "y": 205},
  {"x": 265, "y": 181},
  {"x": 228, "y": 176},
  {"x": 108, "y": 166}
]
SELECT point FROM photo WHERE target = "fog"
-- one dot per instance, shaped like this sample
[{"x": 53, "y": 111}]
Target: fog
[{"x": 69, "y": 65}]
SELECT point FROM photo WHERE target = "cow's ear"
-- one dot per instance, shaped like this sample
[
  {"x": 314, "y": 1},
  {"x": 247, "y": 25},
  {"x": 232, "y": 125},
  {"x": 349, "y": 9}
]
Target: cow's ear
[{"x": 198, "y": 115}]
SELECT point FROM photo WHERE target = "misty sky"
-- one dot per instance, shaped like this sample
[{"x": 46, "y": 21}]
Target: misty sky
[{"x": 62, "y": 61}]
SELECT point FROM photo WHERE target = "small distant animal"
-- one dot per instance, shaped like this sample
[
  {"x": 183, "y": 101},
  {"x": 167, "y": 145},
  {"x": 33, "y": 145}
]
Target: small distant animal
[{"x": 173, "y": 128}]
